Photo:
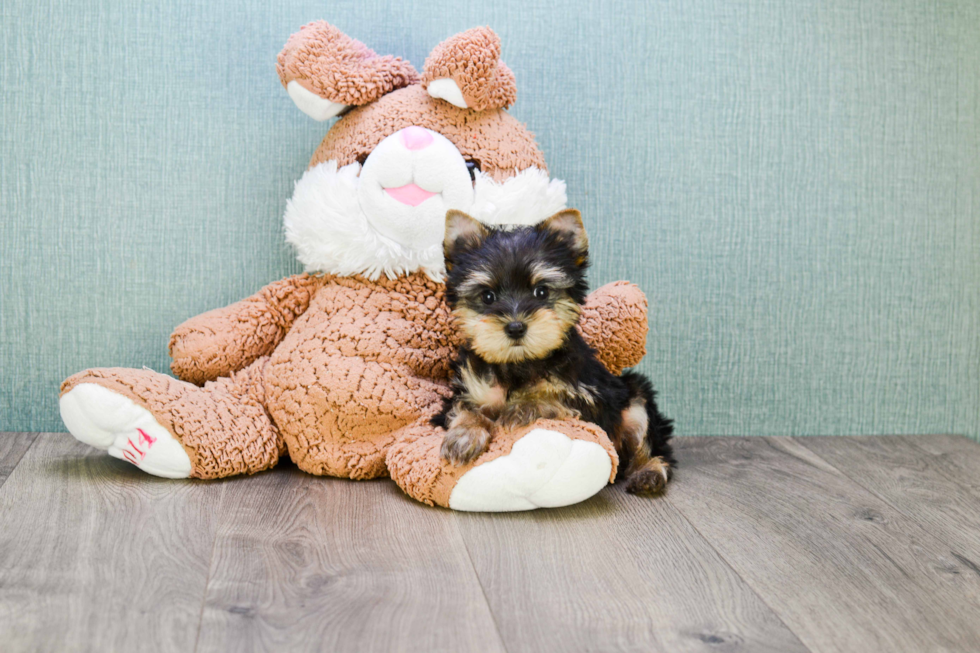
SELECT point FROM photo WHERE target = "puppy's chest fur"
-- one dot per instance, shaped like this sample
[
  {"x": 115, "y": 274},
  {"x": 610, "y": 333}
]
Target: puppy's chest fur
[{"x": 515, "y": 394}]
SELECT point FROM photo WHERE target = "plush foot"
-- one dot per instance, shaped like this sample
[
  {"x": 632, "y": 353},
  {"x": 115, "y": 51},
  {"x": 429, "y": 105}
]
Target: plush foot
[
  {"x": 544, "y": 469},
  {"x": 109, "y": 421},
  {"x": 549, "y": 464}
]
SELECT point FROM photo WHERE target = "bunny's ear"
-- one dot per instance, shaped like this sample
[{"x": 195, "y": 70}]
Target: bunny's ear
[
  {"x": 325, "y": 71},
  {"x": 466, "y": 70}
]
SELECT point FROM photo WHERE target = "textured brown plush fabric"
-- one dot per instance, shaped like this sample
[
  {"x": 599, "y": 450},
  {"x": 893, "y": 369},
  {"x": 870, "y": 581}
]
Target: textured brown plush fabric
[
  {"x": 614, "y": 322},
  {"x": 472, "y": 60},
  {"x": 338, "y": 68},
  {"x": 221, "y": 341},
  {"x": 498, "y": 141},
  {"x": 364, "y": 366},
  {"x": 414, "y": 462},
  {"x": 367, "y": 359}
]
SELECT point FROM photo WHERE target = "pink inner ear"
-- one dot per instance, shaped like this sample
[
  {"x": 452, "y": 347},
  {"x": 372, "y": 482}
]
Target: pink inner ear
[{"x": 410, "y": 194}]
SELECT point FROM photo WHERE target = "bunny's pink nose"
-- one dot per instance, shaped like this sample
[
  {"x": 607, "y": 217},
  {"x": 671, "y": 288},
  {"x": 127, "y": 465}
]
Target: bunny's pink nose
[{"x": 416, "y": 138}]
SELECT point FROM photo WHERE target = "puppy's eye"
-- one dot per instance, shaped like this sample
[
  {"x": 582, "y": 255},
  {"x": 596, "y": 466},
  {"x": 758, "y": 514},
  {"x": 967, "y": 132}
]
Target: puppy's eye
[
  {"x": 541, "y": 292},
  {"x": 472, "y": 166},
  {"x": 488, "y": 297}
]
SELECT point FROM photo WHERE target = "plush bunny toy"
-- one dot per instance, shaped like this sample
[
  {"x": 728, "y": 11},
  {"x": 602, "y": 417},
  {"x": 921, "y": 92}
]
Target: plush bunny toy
[{"x": 342, "y": 367}]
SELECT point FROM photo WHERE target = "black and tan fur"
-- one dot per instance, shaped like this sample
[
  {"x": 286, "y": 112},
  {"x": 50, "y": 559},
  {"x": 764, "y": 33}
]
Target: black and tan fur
[{"x": 517, "y": 295}]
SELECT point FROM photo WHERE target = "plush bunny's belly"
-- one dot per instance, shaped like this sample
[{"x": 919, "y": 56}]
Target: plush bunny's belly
[{"x": 366, "y": 359}]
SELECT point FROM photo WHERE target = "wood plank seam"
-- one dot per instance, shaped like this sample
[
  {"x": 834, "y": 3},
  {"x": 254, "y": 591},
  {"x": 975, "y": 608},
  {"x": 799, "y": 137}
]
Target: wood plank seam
[
  {"x": 595, "y": 577},
  {"x": 884, "y": 498},
  {"x": 805, "y": 620},
  {"x": 306, "y": 563},
  {"x": 93, "y": 549},
  {"x": 13, "y": 467},
  {"x": 476, "y": 574},
  {"x": 908, "y": 511},
  {"x": 734, "y": 571},
  {"x": 207, "y": 580}
]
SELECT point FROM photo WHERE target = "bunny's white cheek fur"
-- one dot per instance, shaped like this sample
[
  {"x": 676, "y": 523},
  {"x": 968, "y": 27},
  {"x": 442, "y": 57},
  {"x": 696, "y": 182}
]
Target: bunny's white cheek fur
[{"x": 388, "y": 217}]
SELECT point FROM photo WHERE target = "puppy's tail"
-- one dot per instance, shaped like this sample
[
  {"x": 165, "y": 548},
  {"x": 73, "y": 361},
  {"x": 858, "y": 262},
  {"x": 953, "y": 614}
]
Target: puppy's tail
[{"x": 646, "y": 433}]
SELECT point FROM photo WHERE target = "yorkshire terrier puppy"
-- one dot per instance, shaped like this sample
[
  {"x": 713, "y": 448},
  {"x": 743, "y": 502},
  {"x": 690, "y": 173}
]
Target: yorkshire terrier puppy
[{"x": 517, "y": 295}]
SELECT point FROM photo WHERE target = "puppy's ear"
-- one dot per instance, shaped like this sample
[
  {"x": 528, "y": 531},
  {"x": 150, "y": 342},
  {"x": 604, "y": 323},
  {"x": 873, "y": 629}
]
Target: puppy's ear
[
  {"x": 462, "y": 232},
  {"x": 568, "y": 223}
]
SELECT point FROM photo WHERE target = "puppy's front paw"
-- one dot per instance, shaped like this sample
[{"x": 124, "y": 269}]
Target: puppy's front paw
[{"x": 463, "y": 444}]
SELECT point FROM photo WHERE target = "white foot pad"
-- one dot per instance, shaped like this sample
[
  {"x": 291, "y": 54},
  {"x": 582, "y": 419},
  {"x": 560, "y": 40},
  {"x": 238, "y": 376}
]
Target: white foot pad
[
  {"x": 544, "y": 469},
  {"x": 107, "y": 420}
]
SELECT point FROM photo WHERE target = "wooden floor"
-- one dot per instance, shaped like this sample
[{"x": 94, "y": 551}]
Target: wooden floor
[{"x": 761, "y": 544}]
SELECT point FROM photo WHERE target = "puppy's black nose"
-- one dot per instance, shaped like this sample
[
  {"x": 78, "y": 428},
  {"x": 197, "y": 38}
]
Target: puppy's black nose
[{"x": 515, "y": 330}]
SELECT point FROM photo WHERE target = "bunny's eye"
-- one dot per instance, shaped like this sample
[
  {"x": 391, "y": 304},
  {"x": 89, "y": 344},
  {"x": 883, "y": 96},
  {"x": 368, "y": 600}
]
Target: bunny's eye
[{"x": 472, "y": 166}]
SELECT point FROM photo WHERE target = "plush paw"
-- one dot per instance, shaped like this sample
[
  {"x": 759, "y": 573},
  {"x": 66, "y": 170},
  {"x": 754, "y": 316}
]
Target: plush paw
[
  {"x": 544, "y": 469},
  {"x": 109, "y": 421}
]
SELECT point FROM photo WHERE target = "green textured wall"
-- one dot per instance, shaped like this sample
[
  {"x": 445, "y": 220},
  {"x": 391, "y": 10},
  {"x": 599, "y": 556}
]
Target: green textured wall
[{"x": 795, "y": 184}]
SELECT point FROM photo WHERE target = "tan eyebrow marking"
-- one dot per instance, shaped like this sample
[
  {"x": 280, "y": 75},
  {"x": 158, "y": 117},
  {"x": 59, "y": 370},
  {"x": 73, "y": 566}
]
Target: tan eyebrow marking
[
  {"x": 544, "y": 273},
  {"x": 476, "y": 280}
]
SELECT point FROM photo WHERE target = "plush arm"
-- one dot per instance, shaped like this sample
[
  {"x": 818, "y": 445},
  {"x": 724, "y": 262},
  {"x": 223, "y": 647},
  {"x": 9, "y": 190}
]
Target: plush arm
[
  {"x": 227, "y": 339},
  {"x": 614, "y": 322}
]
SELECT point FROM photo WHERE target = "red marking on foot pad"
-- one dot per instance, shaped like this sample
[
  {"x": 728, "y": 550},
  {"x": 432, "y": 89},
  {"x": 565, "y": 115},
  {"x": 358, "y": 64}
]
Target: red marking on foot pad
[{"x": 145, "y": 439}]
